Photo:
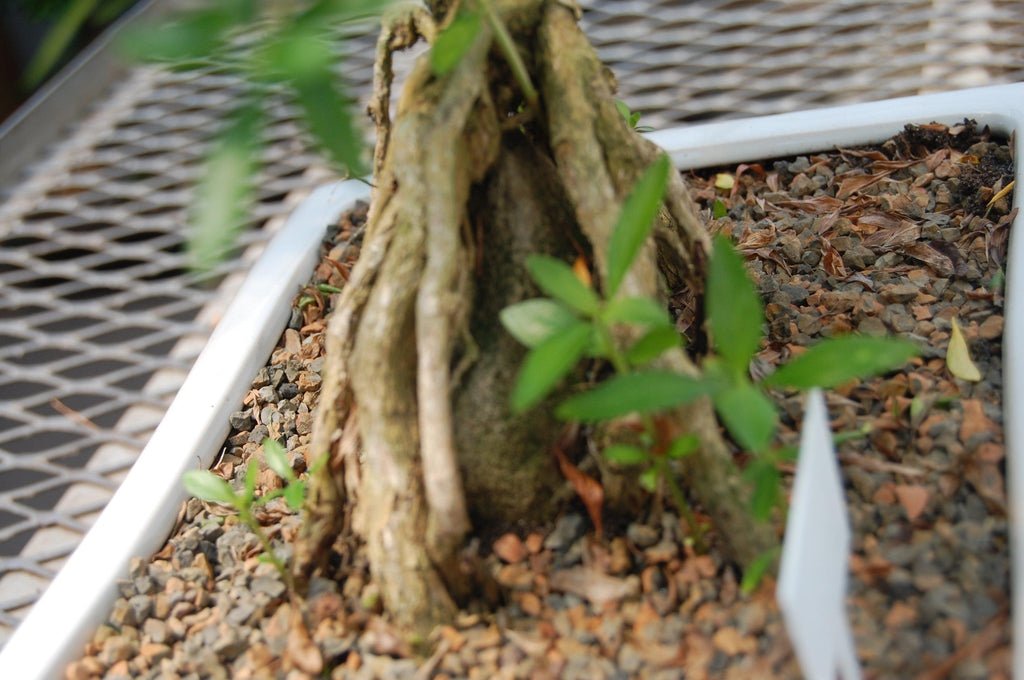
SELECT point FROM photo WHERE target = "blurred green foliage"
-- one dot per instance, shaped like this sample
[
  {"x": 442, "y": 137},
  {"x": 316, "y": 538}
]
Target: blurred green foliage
[{"x": 273, "y": 48}]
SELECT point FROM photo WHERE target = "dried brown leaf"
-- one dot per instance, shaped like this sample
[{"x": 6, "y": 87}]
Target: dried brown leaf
[
  {"x": 589, "y": 490},
  {"x": 817, "y": 204},
  {"x": 888, "y": 239},
  {"x": 851, "y": 185},
  {"x": 942, "y": 265},
  {"x": 831, "y": 260},
  {"x": 593, "y": 585}
]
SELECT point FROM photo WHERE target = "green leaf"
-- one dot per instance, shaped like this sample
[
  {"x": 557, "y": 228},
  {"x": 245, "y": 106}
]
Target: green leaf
[
  {"x": 277, "y": 459},
  {"x": 683, "y": 446},
  {"x": 295, "y": 495},
  {"x": 767, "y": 491},
  {"x": 224, "y": 192},
  {"x": 836, "y": 361},
  {"x": 748, "y": 414},
  {"x": 718, "y": 209},
  {"x": 252, "y": 472},
  {"x": 57, "y": 39},
  {"x": 641, "y": 392},
  {"x": 624, "y": 111},
  {"x": 653, "y": 343},
  {"x": 531, "y": 322},
  {"x": 624, "y": 454},
  {"x": 453, "y": 42},
  {"x": 307, "y": 64},
  {"x": 557, "y": 279},
  {"x": 548, "y": 363},
  {"x": 189, "y": 36},
  {"x": 207, "y": 486},
  {"x": 756, "y": 570},
  {"x": 636, "y": 310},
  {"x": 734, "y": 308},
  {"x": 649, "y": 479},
  {"x": 636, "y": 221}
]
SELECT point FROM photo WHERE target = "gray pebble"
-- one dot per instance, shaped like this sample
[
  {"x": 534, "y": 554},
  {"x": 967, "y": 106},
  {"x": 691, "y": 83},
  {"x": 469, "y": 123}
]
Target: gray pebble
[
  {"x": 241, "y": 420},
  {"x": 267, "y": 395},
  {"x": 641, "y": 535},
  {"x": 568, "y": 528},
  {"x": 288, "y": 390}
]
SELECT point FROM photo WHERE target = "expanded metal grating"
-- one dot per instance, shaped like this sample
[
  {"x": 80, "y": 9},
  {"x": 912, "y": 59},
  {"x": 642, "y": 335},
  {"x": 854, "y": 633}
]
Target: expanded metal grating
[{"x": 99, "y": 321}]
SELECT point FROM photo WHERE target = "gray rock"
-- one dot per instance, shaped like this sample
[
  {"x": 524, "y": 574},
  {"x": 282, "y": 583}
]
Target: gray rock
[
  {"x": 268, "y": 585},
  {"x": 642, "y": 535},
  {"x": 568, "y": 528},
  {"x": 288, "y": 390},
  {"x": 267, "y": 395},
  {"x": 241, "y": 420}
]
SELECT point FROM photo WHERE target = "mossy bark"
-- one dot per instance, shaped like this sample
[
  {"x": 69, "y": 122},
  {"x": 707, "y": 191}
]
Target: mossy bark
[{"x": 414, "y": 411}]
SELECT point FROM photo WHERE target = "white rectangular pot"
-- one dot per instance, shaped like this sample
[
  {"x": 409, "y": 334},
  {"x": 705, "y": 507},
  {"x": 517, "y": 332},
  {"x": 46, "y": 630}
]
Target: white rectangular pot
[{"x": 140, "y": 515}]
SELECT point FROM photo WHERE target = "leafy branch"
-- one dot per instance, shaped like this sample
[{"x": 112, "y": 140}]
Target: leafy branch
[{"x": 576, "y": 323}]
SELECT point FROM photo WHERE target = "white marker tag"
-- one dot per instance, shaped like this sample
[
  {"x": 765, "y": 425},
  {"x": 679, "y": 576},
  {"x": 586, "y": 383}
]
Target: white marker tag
[{"x": 815, "y": 556}]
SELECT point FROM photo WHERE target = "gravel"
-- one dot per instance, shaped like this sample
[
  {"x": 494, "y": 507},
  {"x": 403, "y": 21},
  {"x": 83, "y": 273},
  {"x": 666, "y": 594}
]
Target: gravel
[{"x": 930, "y": 582}]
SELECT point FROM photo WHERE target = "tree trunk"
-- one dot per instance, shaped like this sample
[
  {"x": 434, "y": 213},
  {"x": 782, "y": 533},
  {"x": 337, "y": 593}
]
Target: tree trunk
[{"x": 414, "y": 413}]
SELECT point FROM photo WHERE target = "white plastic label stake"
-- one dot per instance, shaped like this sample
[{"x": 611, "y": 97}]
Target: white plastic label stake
[{"x": 813, "y": 574}]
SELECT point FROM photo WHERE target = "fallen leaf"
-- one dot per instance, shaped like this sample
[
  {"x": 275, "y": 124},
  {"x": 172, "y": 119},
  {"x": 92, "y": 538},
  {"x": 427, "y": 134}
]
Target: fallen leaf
[
  {"x": 818, "y": 204},
  {"x": 855, "y": 183},
  {"x": 913, "y": 498},
  {"x": 589, "y": 490},
  {"x": 831, "y": 260},
  {"x": 942, "y": 265},
  {"x": 958, "y": 356},
  {"x": 593, "y": 585},
  {"x": 871, "y": 154},
  {"x": 906, "y": 232},
  {"x": 1000, "y": 194},
  {"x": 873, "y": 221}
]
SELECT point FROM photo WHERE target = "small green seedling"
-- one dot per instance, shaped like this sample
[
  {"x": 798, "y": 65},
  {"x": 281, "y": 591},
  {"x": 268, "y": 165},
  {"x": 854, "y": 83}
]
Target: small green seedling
[
  {"x": 631, "y": 117},
  {"x": 207, "y": 486},
  {"x": 576, "y": 322}
]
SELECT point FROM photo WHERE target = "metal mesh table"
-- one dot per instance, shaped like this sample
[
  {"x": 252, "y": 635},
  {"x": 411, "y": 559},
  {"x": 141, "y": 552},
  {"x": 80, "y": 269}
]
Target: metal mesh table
[{"x": 100, "y": 321}]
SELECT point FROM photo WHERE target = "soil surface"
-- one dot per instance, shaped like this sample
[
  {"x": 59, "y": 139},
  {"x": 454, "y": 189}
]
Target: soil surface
[{"x": 898, "y": 239}]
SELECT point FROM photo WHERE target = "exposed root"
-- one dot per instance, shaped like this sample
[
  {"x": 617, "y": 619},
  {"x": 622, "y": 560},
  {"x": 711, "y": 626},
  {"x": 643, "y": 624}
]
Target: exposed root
[{"x": 456, "y": 207}]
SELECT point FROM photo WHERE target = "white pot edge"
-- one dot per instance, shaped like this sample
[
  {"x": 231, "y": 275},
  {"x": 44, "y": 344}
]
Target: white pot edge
[{"x": 144, "y": 508}]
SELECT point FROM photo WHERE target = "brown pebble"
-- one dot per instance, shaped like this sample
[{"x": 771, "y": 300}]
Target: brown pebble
[
  {"x": 489, "y": 637},
  {"x": 619, "y": 560},
  {"x": 530, "y": 604},
  {"x": 154, "y": 652},
  {"x": 515, "y": 576},
  {"x": 534, "y": 543},
  {"x": 729, "y": 641},
  {"x": 509, "y": 548},
  {"x": 991, "y": 328},
  {"x": 120, "y": 669},
  {"x": 900, "y": 615}
]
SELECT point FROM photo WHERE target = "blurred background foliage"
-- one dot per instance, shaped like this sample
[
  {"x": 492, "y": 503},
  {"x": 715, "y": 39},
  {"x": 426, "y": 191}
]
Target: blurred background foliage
[{"x": 273, "y": 47}]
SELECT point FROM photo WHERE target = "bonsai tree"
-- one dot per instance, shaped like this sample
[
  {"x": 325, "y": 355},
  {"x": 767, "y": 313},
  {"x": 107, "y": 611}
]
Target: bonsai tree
[
  {"x": 506, "y": 158},
  {"x": 507, "y": 141}
]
